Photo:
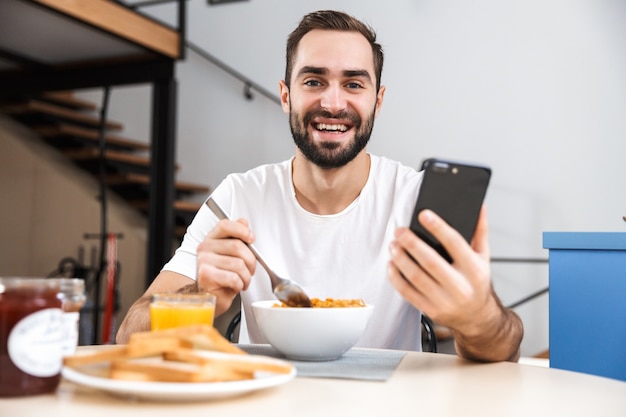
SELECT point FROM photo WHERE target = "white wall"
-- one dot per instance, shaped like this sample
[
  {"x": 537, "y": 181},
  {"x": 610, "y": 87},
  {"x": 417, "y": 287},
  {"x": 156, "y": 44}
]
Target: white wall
[{"x": 534, "y": 88}]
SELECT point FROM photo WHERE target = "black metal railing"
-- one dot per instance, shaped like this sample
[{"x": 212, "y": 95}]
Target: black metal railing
[
  {"x": 248, "y": 84},
  {"x": 533, "y": 295}
]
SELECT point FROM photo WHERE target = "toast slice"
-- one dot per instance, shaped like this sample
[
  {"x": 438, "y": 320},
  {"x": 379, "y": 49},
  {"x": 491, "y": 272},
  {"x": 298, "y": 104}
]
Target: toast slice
[{"x": 173, "y": 356}]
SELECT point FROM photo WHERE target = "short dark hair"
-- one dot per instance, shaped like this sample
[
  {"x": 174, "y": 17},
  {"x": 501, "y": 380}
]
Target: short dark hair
[{"x": 332, "y": 20}]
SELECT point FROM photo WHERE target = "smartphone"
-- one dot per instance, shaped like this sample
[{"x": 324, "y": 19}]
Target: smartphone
[{"x": 455, "y": 191}]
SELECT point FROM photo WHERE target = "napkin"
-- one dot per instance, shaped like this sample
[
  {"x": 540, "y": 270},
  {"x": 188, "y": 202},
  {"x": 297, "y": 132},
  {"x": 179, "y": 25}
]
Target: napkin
[{"x": 357, "y": 363}]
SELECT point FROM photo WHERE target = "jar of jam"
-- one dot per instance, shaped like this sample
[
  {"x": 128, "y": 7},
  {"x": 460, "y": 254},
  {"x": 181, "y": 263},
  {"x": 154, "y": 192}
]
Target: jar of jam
[
  {"x": 73, "y": 297},
  {"x": 30, "y": 336}
]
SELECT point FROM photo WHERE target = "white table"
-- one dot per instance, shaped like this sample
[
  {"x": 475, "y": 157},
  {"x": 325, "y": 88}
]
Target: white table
[{"x": 424, "y": 384}]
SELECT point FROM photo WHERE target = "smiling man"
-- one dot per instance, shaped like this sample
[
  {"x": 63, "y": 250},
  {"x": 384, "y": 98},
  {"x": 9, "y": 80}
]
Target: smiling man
[{"x": 334, "y": 217}]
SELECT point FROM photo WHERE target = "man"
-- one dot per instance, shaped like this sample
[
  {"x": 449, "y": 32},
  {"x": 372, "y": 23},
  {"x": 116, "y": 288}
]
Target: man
[{"x": 333, "y": 218}]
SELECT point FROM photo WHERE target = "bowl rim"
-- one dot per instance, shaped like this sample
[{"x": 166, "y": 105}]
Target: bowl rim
[{"x": 267, "y": 304}]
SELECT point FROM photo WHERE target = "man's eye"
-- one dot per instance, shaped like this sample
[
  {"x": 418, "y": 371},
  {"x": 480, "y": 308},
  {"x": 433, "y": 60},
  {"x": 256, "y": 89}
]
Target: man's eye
[
  {"x": 353, "y": 85},
  {"x": 312, "y": 83}
]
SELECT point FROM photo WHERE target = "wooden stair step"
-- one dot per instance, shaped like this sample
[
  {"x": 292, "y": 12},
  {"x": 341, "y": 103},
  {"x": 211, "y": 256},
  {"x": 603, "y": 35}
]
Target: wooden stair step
[
  {"x": 179, "y": 205},
  {"x": 37, "y": 107},
  {"x": 90, "y": 154},
  {"x": 130, "y": 178},
  {"x": 114, "y": 161},
  {"x": 66, "y": 132},
  {"x": 187, "y": 206},
  {"x": 68, "y": 99},
  {"x": 184, "y": 211},
  {"x": 192, "y": 187}
]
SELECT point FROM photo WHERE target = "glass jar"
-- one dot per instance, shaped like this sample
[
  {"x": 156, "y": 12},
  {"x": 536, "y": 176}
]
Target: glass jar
[
  {"x": 30, "y": 336},
  {"x": 72, "y": 295}
]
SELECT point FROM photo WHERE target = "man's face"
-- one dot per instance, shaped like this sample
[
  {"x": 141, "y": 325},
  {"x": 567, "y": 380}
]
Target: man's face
[{"x": 332, "y": 102}]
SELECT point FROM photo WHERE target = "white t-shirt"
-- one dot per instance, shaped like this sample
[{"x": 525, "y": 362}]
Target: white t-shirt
[{"x": 344, "y": 255}]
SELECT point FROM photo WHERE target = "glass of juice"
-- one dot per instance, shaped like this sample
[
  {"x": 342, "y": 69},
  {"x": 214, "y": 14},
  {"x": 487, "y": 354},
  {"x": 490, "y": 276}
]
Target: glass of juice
[{"x": 169, "y": 310}]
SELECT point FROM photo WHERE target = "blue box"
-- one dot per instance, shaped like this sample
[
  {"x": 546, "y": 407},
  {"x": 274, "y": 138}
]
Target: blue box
[{"x": 587, "y": 302}]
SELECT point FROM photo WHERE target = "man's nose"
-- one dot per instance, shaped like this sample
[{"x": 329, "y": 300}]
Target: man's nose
[{"x": 333, "y": 99}]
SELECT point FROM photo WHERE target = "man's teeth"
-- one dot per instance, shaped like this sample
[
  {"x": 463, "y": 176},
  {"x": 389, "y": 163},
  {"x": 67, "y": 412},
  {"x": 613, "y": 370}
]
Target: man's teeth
[{"x": 333, "y": 128}]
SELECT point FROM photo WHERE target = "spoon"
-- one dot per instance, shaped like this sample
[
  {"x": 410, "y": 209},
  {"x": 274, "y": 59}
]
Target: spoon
[{"x": 285, "y": 290}]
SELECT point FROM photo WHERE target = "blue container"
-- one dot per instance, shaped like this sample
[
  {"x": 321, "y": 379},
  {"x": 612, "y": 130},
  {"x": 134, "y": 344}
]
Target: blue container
[{"x": 588, "y": 302}]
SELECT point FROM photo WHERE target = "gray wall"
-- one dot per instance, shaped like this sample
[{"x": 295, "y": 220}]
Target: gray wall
[{"x": 536, "y": 89}]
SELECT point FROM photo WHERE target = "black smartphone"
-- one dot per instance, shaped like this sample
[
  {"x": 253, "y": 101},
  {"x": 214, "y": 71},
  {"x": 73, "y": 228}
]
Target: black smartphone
[{"x": 455, "y": 191}]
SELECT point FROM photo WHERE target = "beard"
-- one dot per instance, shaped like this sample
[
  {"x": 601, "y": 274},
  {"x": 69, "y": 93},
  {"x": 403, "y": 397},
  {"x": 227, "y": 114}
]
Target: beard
[{"x": 330, "y": 154}]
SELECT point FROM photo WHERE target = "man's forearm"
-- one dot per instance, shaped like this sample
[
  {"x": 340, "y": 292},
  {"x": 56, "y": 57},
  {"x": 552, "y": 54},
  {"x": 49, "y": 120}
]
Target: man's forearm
[
  {"x": 137, "y": 320},
  {"x": 499, "y": 341},
  {"x": 138, "y": 317}
]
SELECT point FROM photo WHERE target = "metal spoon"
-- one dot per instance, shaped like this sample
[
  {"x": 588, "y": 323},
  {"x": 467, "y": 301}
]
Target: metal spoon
[{"x": 285, "y": 290}]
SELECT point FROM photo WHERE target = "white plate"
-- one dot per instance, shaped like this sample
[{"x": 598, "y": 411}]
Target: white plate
[{"x": 178, "y": 391}]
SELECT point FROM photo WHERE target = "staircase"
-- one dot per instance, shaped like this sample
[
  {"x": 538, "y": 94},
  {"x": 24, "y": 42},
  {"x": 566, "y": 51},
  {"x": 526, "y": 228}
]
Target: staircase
[{"x": 71, "y": 125}]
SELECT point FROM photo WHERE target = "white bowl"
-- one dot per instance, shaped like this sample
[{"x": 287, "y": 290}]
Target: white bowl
[{"x": 311, "y": 334}]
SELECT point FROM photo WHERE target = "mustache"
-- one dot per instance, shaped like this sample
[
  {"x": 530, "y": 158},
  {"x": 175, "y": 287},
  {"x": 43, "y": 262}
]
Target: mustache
[{"x": 344, "y": 114}]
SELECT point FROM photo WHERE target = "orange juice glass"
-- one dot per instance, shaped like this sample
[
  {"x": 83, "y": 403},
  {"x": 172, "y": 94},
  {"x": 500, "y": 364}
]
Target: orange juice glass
[{"x": 168, "y": 310}]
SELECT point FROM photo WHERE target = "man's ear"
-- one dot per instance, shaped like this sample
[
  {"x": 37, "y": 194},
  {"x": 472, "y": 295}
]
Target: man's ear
[
  {"x": 379, "y": 99},
  {"x": 284, "y": 96}
]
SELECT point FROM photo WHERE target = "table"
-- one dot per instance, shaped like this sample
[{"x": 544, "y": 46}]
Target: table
[{"x": 424, "y": 384}]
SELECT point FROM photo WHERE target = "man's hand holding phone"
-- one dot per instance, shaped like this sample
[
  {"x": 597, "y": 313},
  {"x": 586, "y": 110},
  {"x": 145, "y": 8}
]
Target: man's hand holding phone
[
  {"x": 452, "y": 294},
  {"x": 446, "y": 275}
]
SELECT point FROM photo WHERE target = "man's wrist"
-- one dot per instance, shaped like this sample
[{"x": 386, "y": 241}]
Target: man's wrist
[{"x": 499, "y": 337}]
